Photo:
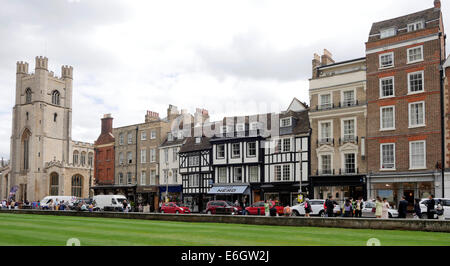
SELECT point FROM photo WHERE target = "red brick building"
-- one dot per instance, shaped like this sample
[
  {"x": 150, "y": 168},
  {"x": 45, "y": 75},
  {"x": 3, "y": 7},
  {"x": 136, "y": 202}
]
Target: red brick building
[
  {"x": 404, "y": 57},
  {"x": 104, "y": 157}
]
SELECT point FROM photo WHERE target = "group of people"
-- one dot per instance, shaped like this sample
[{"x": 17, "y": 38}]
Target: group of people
[{"x": 11, "y": 204}]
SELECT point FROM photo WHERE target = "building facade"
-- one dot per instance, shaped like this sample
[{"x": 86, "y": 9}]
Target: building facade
[
  {"x": 338, "y": 119},
  {"x": 404, "y": 133},
  {"x": 287, "y": 156},
  {"x": 104, "y": 158},
  {"x": 195, "y": 159},
  {"x": 137, "y": 159},
  {"x": 44, "y": 159}
]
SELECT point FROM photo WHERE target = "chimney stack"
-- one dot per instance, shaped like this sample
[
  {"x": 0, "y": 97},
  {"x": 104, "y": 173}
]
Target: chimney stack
[
  {"x": 437, "y": 4},
  {"x": 107, "y": 124},
  {"x": 315, "y": 65},
  {"x": 151, "y": 116},
  {"x": 327, "y": 58}
]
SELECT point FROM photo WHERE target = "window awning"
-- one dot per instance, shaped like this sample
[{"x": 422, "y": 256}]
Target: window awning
[{"x": 228, "y": 190}]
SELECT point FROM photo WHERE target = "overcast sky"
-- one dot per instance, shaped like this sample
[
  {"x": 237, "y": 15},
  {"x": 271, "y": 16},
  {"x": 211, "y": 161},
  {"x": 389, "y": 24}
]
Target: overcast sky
[{"x": 229, "y": 57}]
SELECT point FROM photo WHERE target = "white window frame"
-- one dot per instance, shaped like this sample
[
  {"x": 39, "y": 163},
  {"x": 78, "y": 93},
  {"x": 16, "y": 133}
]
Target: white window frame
[
  {"x": 143, "y": 178},
  {"x": 330, "y": 103},
  {"x": 251, "y": 178},
  {"x": 283, "y": 146},
  {"x": 286, "y": 119},
  {"x": 342, "y": 127},
  {"x": 235, "y": 174},
  {"x": 381, "y": 157},
  {"x": 248, "y": 149},
  {"x": 343, "y": 98},
  {"x": 343, "y": 164},
  {"x": 423, "y": 82},
  {"x": 384, "y": 54},
  {"x": 153, "y": 134},
  {"x": 410, "y": 118},
  {"x": 130, "y": 138},
  {"x": 424, "y": 166},
  {"x": 232, "y": 150},
  {"x": 143, "y": 135},
  {"x": 421, "y": 22},
  {"x": 143, "y": 156},
  {"x": 217, "y": 151},
  {"x": 222, "y": 178},
  {"x": 321, "y": 162},
  {"x": 152, "y": 155},
  {"x": 412, "y": 48},
  {"x": 394, "y": 29},
  {"x": 253, "y": 125},
  {"x": 381, "y": 117},
  {"x": 393, "y": 87},
  {"x": 320, "y": 129}
]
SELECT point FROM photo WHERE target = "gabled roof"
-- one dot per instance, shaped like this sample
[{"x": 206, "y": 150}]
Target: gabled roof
[{"x": 190, "y": 145}]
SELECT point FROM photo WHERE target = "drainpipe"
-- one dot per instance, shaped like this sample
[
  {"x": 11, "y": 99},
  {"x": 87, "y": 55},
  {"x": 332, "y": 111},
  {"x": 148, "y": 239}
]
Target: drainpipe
[{"x": 441, "y": 75}]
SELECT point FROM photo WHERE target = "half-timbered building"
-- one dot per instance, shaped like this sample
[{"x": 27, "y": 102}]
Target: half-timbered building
[{"x": 196, "y": 171}]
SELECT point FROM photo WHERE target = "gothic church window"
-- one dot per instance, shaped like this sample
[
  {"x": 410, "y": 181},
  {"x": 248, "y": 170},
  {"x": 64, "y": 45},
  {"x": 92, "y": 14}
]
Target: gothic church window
[
  {"x": 28, "y": 95},
  {"x": 55, "y": 97}
]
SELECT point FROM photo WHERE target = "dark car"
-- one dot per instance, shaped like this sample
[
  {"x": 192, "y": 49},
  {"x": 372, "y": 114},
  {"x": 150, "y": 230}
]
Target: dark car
[{"x": 221, "y": 207}]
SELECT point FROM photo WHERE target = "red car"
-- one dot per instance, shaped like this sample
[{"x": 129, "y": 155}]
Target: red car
[
  {"x": 172, "y": 207},
  {"x": 221, "y": 207},
  {"x": 257, "y": 208}
]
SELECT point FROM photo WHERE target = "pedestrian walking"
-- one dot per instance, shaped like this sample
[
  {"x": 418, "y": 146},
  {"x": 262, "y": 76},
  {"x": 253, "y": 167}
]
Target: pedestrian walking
[
  {"x": 402, "y": 208},
  {"x": 440, "y": 210},
  {"x": 347, "y": 210},
  {"x": 267, "y": 208},
  {"x": 378, "y": 207},
  {"x": 329, "y": 204},
  {"x": 308, "y": 208},
  {"x": 358, "y": 208},
  {"x": 417, "y": 209},
  {"x": 430, "y": 207},
  {"x": 385, "y": 209},
  {"x": 125, "y": 206}
]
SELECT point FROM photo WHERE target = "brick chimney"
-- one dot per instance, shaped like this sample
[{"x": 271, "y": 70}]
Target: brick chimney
[
  {"x": 327, "y": 58},
  {"x": 151, "y": 116},
  {"x": 107, "y": 124},
  {"x": 437, "y": 4},
  {"x": 172, "y": 112}
]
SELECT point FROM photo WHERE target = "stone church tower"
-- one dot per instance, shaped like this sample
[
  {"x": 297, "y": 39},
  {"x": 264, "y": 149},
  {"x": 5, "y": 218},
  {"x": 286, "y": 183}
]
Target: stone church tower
[{"x": 44, "y": 159}]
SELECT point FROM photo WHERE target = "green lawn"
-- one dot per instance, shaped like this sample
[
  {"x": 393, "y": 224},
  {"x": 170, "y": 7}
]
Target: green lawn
[{"x": 28, "y": 229}]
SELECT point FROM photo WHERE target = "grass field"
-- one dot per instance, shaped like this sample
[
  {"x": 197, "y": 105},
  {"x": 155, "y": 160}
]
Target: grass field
[{"x": 44, "y": 230}]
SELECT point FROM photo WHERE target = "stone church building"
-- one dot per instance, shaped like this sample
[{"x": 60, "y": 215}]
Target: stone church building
[{"x": 44, "y": 158}]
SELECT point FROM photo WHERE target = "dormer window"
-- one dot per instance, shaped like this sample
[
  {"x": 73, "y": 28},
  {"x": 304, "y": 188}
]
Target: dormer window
[
  {"x": 388, "y": 33},
  {"x": 180, "y": 135},
  {"x": 418, "y": 25},
  {"x": 286, "y": 122},
  {"x": 169, "y": 137},
  {"x": 198, "y": 140}
]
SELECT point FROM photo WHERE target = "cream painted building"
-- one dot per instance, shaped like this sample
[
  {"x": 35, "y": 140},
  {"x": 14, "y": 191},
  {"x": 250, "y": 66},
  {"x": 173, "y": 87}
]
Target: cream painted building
[
  {"x": 44, "y": 158},
  {"x": 338, "y": 120}
]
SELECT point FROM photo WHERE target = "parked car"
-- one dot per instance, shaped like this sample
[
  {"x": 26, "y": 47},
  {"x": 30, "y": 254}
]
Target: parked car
[
  {"x": 317, "y": 208},
  {"x": 221, "y": 207},
  {"x": 257, "y": 208},
  {"x": 172, "y": 207},
  {"x": 110, "y": 202},
  {"x": 369, "y": 208},
  {"x": 445, "y": 204}
]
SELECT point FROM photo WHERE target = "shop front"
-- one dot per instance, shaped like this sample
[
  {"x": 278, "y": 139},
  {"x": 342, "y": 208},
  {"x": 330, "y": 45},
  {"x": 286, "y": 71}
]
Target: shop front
[
  {"x": 339, "y": 187},
  {"x": 175, "y": 193},
  {"x": 393, "y": 188},
  {"x": 283, "y": 193},
  {"x": 231, "y": 193},
  {"x": 148, "y": 195}
]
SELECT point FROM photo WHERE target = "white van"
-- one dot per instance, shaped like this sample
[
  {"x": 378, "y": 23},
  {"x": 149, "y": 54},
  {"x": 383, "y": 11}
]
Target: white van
[
  {"x": 45, "y": 201},
  {"x": 110, "y": 202}
]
